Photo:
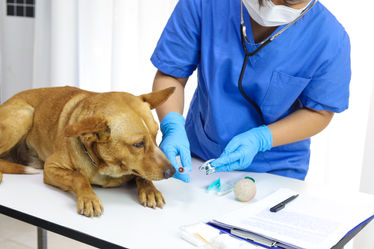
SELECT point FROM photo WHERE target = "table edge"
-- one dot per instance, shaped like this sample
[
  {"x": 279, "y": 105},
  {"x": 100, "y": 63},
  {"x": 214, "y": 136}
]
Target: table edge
[{"x": 62, "y": 230}]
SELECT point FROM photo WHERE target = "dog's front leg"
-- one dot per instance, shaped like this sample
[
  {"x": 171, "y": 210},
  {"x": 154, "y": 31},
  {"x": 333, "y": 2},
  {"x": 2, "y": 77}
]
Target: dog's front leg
[
  {"x": 148, "y": 194},
  {"x": 68, "y": 179}
]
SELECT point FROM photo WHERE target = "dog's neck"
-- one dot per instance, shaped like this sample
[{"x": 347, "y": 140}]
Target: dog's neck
[{"x": 87, "y": 153}]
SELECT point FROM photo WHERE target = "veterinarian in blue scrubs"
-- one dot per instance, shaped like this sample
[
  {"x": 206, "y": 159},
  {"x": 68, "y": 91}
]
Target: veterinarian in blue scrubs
[{"x": 289, "y": 89}]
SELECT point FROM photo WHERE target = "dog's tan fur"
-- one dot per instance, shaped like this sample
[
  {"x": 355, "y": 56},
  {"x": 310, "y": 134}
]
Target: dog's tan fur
[{"x": 47, "y": 127}]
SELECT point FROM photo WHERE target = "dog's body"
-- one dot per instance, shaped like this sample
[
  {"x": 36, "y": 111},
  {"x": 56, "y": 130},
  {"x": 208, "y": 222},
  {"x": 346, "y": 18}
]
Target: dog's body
[{"x": 83, "y": 138}]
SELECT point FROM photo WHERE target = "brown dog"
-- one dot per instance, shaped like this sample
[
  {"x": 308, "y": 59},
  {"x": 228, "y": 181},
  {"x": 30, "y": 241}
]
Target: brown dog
[{"x": 85, "y": 138}]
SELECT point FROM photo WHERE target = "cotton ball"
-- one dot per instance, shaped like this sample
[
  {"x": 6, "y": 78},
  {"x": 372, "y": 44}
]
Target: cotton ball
[{"x": 245, "y": 190}]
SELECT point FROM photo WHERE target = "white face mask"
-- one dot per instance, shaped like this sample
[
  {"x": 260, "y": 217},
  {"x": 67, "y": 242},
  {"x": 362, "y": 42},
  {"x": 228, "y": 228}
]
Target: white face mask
[{"x": 270, "y": 15}]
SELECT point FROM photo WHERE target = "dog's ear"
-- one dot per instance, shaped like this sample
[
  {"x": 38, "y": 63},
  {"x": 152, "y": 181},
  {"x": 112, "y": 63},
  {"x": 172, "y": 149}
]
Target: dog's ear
[
  {"x": 157, "y": 98},
  {"x": 96, "y": 128}
]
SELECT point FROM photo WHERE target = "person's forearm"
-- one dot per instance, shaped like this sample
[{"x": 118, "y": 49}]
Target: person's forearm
[
  {"x": 175, "y": 103},
  {"x": 301, "y": 124}
]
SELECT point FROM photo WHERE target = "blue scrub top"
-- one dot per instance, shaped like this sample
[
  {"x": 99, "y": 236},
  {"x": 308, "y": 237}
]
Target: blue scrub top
[{"x": 306, "y": 66}]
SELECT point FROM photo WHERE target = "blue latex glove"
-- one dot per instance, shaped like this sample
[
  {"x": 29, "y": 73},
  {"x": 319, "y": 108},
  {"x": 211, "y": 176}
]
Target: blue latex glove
[
  {"x": 241, "y": 150},
  {"x": 175, "y": 143}
]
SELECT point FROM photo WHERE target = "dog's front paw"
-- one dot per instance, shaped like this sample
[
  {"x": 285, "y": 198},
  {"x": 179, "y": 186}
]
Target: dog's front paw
[
  {"x": 149, "y": 196},
  {"x": 89, "y": 205}
]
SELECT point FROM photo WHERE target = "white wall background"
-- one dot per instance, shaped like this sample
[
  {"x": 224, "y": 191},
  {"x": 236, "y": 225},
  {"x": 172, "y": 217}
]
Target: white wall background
[
  {"x": 367, "y": 175},
  {"x": 104, "y": 45},
  {"x": 16, "y": 52},
  {"x": 342, "y": 157}
]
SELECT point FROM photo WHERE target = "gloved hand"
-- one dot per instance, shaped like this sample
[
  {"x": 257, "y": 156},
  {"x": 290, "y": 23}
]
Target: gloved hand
[
  {"x": 241, "y": 150},
  {"x": 175, "y": 143}
]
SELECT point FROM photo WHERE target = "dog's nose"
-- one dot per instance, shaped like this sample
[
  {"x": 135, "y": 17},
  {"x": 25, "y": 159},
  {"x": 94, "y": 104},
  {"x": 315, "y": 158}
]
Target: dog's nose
[{"x": 169, "y": 172}]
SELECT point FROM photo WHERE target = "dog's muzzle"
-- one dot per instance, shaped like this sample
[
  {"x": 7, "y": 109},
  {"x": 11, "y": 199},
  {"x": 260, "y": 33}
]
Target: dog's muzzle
[{"x": 169, "y": 172}]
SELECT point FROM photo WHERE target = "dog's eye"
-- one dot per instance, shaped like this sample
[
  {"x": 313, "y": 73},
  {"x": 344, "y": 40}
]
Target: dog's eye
[{"x": 139, "y": 145}]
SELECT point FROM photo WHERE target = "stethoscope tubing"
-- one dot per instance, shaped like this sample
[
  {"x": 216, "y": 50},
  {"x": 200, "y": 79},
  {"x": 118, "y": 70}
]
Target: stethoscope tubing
[
  {"x": 243, "y": 37},
  {"x": 240, "y": 82}
]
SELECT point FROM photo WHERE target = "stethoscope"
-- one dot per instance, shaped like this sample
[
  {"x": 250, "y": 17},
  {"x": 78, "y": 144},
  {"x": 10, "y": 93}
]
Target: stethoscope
[{"x": 243, "y": 36}]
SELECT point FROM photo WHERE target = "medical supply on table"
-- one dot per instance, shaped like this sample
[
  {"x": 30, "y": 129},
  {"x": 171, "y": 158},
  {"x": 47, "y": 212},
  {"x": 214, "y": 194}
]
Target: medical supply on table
[
  {"x": 205, "y": 236},
  {"x": 222, "y": 187},
  {"x": 216, "y": 185},
  {"x": 207, "y": 168},
  {"x": 282, "y": 204},
  {"x": 245, "y": 189}
]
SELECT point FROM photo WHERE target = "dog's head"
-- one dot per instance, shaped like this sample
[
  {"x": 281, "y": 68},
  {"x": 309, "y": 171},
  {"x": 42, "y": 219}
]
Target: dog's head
[{"x": 119, "y": 133}]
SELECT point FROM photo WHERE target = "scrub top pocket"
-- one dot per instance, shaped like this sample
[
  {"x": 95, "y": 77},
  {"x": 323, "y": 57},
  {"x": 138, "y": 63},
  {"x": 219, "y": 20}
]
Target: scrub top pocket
[
  {"x": 282, "y": 93},
  {"x": 201, "y": 144}
]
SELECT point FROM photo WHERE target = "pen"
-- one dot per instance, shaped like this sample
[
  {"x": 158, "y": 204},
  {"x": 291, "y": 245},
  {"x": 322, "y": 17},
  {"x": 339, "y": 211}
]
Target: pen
[{"x": 282, "y": 204}]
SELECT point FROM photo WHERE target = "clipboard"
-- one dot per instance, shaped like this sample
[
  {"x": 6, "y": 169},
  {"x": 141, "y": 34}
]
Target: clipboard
[
  {"x": 242, "y": 223},
  {"x": 270, "y": 244}
]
